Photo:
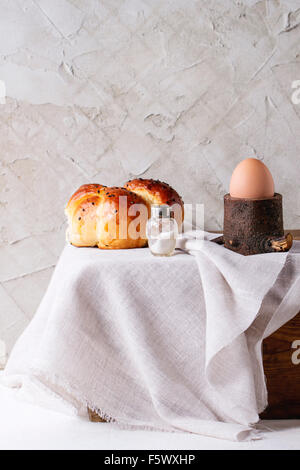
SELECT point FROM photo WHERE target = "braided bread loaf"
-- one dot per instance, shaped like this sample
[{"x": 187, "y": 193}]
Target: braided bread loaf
[
  {"x": 157, "y": 192},
  {"x": 114, "y": 218}
]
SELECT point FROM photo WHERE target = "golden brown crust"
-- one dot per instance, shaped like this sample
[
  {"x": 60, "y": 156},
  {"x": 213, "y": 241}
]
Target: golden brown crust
[
  {"x": 114, "y": 218},
  {"x": 158, "y": 192},
  {"x": 84, "y": 191},
  {"x": 120, "y": 213},
  {"x": 98, "y": 217}
]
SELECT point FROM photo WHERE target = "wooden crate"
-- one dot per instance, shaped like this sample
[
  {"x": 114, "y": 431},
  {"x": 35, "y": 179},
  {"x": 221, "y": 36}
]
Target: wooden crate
[
  {"x": 282, "y": 373},
  {"x": 94, "y": 417},
  {"x": 281, "y": 356}
]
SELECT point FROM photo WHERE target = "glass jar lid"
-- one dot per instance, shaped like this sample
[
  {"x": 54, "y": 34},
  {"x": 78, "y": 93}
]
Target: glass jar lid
[{"x": 160, "y": 210}]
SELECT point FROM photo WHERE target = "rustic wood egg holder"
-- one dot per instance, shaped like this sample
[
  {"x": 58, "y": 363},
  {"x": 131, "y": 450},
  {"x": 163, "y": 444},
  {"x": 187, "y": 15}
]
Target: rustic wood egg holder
[{"x": 253, "y": 226}]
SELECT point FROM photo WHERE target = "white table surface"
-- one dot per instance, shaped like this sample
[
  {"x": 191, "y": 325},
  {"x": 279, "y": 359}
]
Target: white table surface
[{"x": 27, "y": 426}]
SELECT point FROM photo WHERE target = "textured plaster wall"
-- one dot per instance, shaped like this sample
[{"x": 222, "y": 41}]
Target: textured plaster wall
[{"x": 104, "y": 90}]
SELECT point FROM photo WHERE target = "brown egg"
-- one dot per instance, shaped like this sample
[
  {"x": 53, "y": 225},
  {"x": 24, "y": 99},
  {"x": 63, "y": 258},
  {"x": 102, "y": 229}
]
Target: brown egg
[{"x": 251, "y": 179}]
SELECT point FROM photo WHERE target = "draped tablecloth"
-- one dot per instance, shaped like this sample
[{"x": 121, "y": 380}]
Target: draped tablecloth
[{"x": 161, "y": 343}]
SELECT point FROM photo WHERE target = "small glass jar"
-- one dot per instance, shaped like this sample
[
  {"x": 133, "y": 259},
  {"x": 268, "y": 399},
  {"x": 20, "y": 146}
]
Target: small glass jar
[{"x": 161, "y": 231}]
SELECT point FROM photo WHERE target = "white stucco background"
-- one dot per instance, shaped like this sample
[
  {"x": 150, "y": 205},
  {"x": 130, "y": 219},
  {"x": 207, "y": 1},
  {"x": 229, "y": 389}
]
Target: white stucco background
[{"x": 104, "y": 90}]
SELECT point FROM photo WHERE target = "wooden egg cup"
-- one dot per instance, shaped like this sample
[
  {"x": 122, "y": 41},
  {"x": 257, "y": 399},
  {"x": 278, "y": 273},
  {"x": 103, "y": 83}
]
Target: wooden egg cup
[{"x": 253, "y": 226}]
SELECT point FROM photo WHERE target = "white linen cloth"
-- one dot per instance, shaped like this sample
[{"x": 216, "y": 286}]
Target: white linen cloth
[{"x": 162, "y": 343}]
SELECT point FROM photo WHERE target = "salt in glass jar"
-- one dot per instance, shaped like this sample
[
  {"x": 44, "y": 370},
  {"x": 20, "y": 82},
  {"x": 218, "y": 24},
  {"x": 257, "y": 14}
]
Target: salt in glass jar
[{"x": 161, "y": 231}]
